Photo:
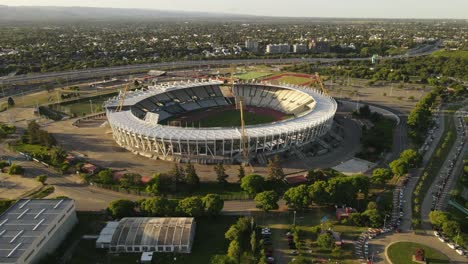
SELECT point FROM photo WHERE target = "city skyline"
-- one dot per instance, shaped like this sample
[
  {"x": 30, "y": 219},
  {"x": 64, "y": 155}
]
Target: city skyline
[{"x": 454, "y": 9}]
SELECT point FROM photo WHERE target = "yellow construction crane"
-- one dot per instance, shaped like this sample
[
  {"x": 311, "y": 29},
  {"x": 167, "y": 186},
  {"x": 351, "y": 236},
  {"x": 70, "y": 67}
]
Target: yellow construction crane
[
  {"x": 245, "y": 152},
  {"x": 240, "y": 107},
  {"x": 319, "y": 80},
  {"x": 122, "y": 99}
]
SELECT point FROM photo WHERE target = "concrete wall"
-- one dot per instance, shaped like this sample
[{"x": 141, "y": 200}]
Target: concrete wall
[
  {"x": 351, "y": 106},
  {"x": 53, "y": 241}
]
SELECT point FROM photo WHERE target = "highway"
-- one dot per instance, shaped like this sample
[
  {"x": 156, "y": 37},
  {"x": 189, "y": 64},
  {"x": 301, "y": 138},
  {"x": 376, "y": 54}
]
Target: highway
[{"x": 198, "y": 63}]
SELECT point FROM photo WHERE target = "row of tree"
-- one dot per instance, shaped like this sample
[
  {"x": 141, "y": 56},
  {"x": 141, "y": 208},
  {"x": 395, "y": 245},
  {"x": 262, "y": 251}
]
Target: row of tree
[
  {"x": 420, "y": 118},
  {"x": 210, "y": 204}
]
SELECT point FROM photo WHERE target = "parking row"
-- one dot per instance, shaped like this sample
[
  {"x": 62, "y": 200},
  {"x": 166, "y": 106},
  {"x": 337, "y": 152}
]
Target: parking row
[{"x": 445, "y": 179}]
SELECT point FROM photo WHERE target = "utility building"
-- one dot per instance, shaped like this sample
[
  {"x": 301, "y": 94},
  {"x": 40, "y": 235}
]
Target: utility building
[
  {"x": 148, "y": 234},
  {"x": 31, "y": 229}
]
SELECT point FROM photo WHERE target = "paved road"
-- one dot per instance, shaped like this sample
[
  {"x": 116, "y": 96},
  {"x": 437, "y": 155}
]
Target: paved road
[
  {"x": 121, "y": 69},
  {"x": 426, "y": 204},
  {"x": 378, "y": 246}
]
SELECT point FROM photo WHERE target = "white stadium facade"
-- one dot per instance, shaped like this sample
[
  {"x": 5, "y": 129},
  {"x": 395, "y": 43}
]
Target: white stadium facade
[{"x": 138, "y": 126}]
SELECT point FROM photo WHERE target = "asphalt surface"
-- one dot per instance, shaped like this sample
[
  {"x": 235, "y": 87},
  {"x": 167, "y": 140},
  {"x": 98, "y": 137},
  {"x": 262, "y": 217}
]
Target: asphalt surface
[{"x": 126, "y": 68}]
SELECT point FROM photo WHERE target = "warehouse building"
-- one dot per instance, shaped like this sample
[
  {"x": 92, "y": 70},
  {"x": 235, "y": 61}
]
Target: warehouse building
[
  {"x": 33, "y": 228},
  {"x": 148, "y": 234}
]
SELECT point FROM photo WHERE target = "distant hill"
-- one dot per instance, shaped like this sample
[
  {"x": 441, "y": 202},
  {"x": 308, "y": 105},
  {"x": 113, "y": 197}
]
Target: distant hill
[{"x": 55, "y": 13}]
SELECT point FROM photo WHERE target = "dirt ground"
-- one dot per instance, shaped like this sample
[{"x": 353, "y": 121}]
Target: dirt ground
[
  {"x": 96, "y": 144},
  {"x": 14, "y": 186}
]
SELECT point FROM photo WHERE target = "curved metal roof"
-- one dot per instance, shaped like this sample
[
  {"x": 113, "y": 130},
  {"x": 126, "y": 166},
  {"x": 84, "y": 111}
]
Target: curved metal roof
[{"x": 325, "y": 108}]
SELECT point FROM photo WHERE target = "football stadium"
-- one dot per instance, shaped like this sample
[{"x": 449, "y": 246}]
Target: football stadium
[{"x": 200, "y": 121}]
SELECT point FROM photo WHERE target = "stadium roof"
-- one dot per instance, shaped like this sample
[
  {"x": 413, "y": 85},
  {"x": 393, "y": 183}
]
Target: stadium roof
[
  {"x": 25, "y": 222},
  {"x": 150, "y": 231},
  {"x": 324, "y": 107}
]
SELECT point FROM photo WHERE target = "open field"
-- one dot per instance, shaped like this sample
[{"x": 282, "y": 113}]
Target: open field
[
  {"x": 402, "y": 252},
  {"x": 252, "y": 75},
  {"x": 228, "y": 116},
  {"x": 15, "y": 186}
]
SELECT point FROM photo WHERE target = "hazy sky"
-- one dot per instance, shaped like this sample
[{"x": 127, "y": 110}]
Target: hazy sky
[{"x": 301, "y": 8}]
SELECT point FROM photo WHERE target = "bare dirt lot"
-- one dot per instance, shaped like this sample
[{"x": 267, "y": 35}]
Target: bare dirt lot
[{"x": 14, "y": 186}]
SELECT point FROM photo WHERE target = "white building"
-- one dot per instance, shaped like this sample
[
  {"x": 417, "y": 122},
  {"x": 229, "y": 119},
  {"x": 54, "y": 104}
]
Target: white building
[
  {"x": 31, "y": 229},
  {"x": 251, "y": 45},
  {"x": 148, "y": 234},
  {"x": 299, "y": 48},
  {"x": 277, "y": 48}
]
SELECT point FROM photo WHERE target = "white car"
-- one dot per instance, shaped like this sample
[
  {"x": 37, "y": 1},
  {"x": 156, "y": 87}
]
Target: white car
[
  {"x": 451, "y": 245},
  {"x": 441, "y": 239},
  {"x": 460, "y": 252},
  {"x": 436, "y": 234}
]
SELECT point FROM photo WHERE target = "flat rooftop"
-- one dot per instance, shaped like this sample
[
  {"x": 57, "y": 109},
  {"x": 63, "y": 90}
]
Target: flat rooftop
[{"x": 25, "y": 222}]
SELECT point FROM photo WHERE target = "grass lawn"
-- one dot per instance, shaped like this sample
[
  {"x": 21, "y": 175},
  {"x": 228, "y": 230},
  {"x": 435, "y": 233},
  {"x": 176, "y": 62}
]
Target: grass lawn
[
  {"x": 252, "y": 75},
  {"x": 83, "y": 106},
  {"x": 402, "y": 252},
  {"x": 209, "y": 241},
  {"x": 280, "y": 223},
  {"x": 451, "y": 54},
  {"x": 231, "y": 118}
]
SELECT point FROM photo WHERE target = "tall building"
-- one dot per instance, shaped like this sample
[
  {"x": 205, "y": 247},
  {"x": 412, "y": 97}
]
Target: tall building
[
  {"x": 299, "y": 48},
  {"x": 319, "y": 46},
  {"x": 31, "y": 229},
  {"x": 277, "y": 48},
  {"x": 251, "y": 45}
]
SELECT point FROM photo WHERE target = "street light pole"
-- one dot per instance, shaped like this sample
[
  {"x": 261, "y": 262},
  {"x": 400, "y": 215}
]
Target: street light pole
[{"x": 294, "y": 219}]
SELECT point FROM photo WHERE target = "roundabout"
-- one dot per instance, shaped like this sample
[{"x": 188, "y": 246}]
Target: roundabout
[{"x": 403, "y": 252}]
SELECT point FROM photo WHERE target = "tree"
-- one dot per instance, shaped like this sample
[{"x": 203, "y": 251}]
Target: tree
[
  {"x": 15, "y": 170},
  {"x": 318, "y": 192},
  {"x": 241, "y": 172},
  {"x": 191, "y": 206},
  {"x": 221, "y": 175},
  {"x": 41, "y": 178},
  {"x": 325, "y": 240},
  {"x": 412, "y": 157},
  {"x": 356, "y": 219},
  {"x": 451, "y": 228},
  {"x": 11, "y": 102},
  {"x": 121, "y": 208},
  {"x": 316, "y": 175},
  {"x": 252, "y": 183},
  {"x": 373, "y": 217},
  {"x": 297, "y": 197},
  {"x": 380, "y": 175},
  {"x": 105, "y": 176},
  {"x": 157, "y": 206},
  {"x": 438, "y": 218},
  {"x": 177, "y": 173},
  {"x": 130, "y": 180},
  {"x": 275, "y": 172},
  {"x": 399, "y": 167},
  {"x": 234, "y": 250},
  {"x": 253, "y": 242},
  {"x": 372, "y": 206},
  {"x": 221, "y": 259},
  {"x": 154, "y": 185},
  {"x": 213, "y": 204},
  {"x": 233, "y": 233},
  {"x": 191, "y": 176},
  {"x": 267, "y": 200}
]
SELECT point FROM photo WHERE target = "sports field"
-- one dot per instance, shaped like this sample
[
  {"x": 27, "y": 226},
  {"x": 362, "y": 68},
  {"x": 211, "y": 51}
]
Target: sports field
[
  {"x": 227, "y": 117},
  {"x": 252, "y": 75},
  {"x": 402, "y": 252}
]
